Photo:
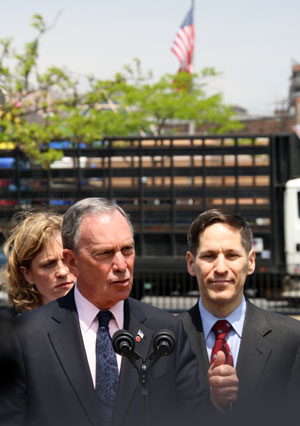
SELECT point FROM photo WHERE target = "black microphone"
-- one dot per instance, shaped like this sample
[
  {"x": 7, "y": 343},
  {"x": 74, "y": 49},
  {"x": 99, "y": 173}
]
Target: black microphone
[
  {"x": 163, "y": 344},
  {"x": 123, "y": 344}
]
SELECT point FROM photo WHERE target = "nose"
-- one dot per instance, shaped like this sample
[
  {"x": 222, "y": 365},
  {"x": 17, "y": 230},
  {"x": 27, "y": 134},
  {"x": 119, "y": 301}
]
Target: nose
[
  {"x": 220, "y": 265},
  {"x": 119, "y": 263},
  {"x": 62, "y": 269}
]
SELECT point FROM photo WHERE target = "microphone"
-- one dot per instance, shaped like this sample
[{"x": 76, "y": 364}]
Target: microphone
[
  {"x": 163, "y": 344},
  {"x": 123, "y": 344}
]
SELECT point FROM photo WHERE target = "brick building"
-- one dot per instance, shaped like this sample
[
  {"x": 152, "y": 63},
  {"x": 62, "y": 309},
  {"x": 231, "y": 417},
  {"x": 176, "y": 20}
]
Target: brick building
[{"x": 282, "y": 121}]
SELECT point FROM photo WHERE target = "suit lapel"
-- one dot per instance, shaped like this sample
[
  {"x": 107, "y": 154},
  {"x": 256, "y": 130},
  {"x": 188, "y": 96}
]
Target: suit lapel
[
  {"x": 254, "y": 351},
  {"x": 129, "y": 379},
  {"x": 193, "y": 326},
  {"x": 67, "y": 342}
]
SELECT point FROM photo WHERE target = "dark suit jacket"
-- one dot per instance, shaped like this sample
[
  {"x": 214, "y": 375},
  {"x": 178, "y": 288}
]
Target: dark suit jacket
[
  {"x": 54, "y": 387},
  {"x": 8, "y": 368},
  {"x": 266, "y": 357}
]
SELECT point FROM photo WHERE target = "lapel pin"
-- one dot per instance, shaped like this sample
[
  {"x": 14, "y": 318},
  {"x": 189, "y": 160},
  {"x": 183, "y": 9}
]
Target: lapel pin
[{"x": 139, "y": 336}]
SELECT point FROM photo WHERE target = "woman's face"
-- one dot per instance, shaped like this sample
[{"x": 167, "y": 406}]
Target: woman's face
[{"x": 49, "y": 272}]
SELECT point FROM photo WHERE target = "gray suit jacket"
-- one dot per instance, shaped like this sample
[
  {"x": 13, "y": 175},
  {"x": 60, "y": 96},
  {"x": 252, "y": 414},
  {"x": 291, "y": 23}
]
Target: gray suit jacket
[
  {"x": 54, "y": 385},
  {"x": 266, "y": 357}
]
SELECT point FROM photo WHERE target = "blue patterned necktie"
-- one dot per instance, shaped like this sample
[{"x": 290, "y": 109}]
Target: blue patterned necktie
[{"x": 106, "y": 369}]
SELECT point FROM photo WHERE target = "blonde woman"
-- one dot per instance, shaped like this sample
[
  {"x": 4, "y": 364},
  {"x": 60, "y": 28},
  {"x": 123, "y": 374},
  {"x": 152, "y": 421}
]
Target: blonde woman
[{"x": 36, "y": 272}]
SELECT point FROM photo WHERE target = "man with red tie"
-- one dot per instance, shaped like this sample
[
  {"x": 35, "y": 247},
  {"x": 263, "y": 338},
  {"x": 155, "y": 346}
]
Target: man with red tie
[{"x": 247, "y": 353}]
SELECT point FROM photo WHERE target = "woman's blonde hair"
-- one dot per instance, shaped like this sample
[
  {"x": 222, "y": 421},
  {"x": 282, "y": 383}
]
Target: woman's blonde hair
[{"x": 29, "y": 232}]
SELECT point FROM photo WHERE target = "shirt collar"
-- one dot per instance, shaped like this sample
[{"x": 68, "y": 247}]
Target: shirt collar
[
  {"x": 87, "y": 311},
  {"x": 118, "y": 312},
  {"x": 236, "y": 318}
]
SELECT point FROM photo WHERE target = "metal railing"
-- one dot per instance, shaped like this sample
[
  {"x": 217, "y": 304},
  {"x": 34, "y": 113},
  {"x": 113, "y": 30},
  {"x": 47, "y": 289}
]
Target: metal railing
[
  {"x": 164, "y": 183},
  {"x": 178, "y": 291}
]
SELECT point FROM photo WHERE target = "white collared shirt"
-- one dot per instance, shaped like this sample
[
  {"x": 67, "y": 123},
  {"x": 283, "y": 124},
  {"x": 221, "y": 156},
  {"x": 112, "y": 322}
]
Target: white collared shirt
[
  {"x": 87, "y": 314},
  {"x": 233, "y": 338}
]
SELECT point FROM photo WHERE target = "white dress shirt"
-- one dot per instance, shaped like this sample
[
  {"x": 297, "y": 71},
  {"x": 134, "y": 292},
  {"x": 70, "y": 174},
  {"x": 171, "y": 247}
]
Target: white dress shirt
[
  {"x": 233, "y": 338},
  {"x": 88, "y": 320}
]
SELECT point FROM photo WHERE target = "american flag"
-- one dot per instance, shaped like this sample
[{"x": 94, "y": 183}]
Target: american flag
[{"x": 183, "y": 44}]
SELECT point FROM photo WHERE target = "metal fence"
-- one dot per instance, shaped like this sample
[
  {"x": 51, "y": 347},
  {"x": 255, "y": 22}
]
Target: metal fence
[
  {"x": 163, "y": 183},
  {"x": 178, "y": 291}
]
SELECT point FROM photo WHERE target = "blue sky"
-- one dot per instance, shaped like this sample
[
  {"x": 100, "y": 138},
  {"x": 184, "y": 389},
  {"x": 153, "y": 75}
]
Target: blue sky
[{"x": 252, "y": 43}]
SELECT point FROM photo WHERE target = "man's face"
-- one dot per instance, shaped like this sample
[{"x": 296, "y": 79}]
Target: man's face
[
  {"x": 221, "y": 265},
  {"x": 104, "y": 259}
]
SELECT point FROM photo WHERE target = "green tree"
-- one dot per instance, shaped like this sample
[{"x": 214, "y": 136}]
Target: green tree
[
  {"x": 42, "y": 107},
  {"x": 180, "y": 96}
]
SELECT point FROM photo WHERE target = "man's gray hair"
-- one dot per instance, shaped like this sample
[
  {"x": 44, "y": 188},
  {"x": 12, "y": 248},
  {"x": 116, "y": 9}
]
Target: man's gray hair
[{"x": 75, "y": 214}]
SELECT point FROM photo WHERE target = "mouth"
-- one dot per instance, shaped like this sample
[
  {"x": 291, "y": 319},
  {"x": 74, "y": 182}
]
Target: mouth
[
  {"x": 220, "y": 282},
  {"x": 122, "y": 282},
  {"x": 65, "y": 285}
]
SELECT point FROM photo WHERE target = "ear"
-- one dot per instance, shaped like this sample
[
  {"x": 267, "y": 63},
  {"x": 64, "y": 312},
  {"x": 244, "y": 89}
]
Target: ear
[
  {"x": 71, "y": 261},
  {"x": 251, "y": 262},
  {"x": 190, "y": 263},
  {"x": 27, "y": 274}
]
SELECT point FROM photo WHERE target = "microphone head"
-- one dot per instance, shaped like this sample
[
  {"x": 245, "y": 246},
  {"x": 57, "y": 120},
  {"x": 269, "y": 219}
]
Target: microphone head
[
  {"x": 123, "y": 342},
  {"x": 164, "y": 342}
]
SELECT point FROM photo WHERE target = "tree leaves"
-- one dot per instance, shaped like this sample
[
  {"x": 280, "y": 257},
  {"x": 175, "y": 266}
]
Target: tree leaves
[{"x": 44, "y": 107}]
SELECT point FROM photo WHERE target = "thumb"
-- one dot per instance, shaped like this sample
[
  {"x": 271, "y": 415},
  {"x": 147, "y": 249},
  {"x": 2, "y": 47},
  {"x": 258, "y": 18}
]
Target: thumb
[{"x": 219, "y": 360}]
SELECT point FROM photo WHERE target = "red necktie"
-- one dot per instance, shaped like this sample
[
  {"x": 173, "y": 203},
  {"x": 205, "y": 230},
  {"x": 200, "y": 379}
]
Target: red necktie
[{"x": 221, "y": 328}]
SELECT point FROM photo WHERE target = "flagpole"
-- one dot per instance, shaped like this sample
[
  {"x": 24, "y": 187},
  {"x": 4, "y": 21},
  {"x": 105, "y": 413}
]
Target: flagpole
[
  {"x": 193, "y": 57},
  {"x": 191, "y": 128}
]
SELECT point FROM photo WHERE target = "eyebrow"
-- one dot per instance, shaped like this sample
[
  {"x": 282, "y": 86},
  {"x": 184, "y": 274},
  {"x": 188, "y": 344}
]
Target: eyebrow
[
  {"x": 47, "y": 259},
  {"x": 50, "y": 260},
  {"x": 231, "y": 250},
  {"x": 101, "y": 247}
]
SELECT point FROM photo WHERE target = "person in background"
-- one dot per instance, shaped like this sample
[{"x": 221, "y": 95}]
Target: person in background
[
  {"x": 251, "y": 349},
  {"x": 36, "y": 272}
]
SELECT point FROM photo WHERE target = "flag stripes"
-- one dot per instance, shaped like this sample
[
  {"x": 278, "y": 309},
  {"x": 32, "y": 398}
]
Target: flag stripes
[{"x": 183, "y": 44}]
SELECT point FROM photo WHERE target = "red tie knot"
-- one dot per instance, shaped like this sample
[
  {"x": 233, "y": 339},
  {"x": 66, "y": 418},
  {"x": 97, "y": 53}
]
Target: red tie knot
[{"x": 221, "y": 329}]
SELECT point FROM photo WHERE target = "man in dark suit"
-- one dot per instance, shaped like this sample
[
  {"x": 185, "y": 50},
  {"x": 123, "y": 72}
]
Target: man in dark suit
[
  {"x": 261, "y": 345},
  {"x": 56, "y": 346}
]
